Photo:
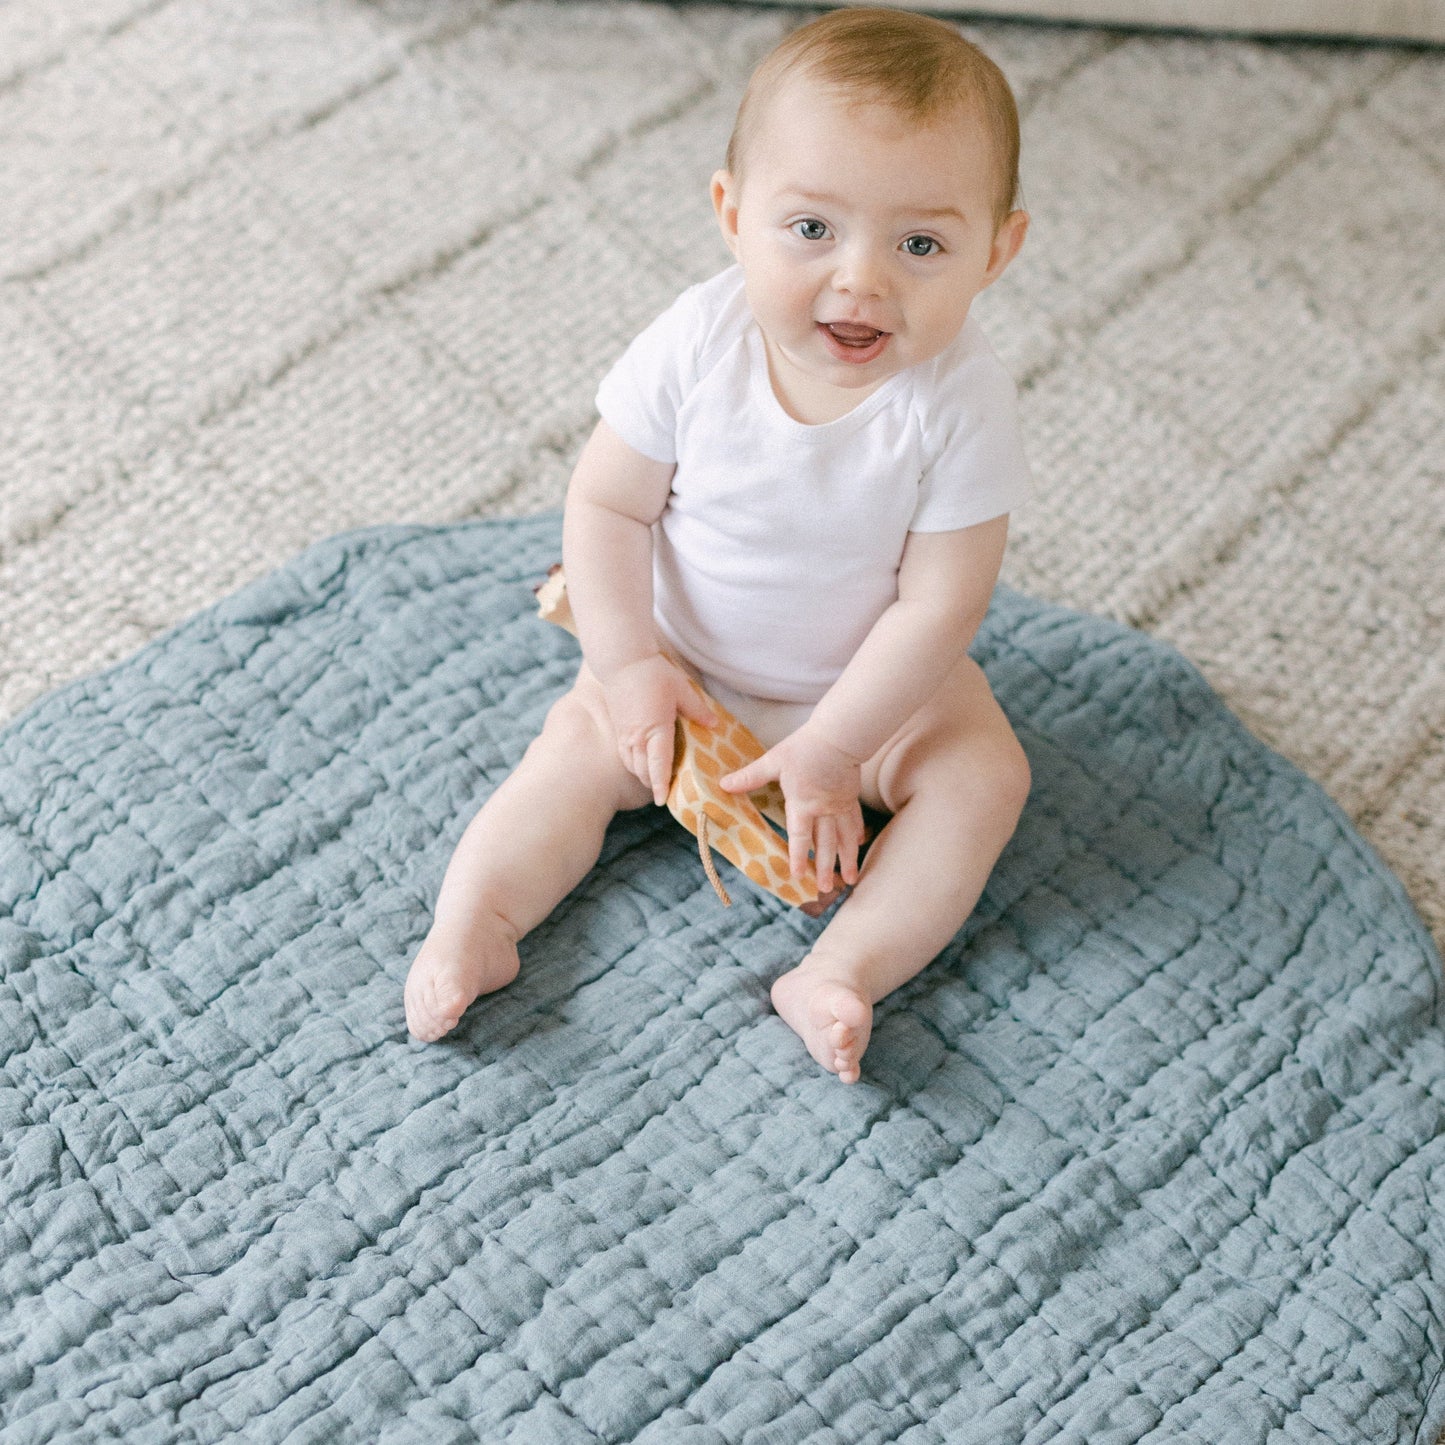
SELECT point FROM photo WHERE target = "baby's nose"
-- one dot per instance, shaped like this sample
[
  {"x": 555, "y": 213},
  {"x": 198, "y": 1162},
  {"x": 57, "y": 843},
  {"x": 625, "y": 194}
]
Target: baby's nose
[{"x": 861, "y": 272}]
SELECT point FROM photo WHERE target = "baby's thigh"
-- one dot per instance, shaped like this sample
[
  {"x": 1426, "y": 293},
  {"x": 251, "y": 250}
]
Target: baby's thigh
[
  {"x": 959, "y": 741},
  {"x": 577, "y": 746}
]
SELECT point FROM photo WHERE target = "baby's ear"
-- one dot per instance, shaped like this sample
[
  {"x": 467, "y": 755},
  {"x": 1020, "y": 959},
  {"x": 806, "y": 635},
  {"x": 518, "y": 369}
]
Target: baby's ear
[
  {"x": 1008, "y": 241},
  {"x": 725, "y": 206}
]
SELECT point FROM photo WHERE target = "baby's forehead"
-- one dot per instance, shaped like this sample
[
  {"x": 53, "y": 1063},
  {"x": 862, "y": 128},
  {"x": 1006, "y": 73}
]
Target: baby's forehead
[
  {"x": 783, "y": 135},
  {"x": 782, "y": 141},
  {"x": 855, "y": 105}
]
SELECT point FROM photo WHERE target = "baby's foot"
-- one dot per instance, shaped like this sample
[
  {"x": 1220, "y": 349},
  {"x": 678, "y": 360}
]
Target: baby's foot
[
  {"x": 833, "y": 1019},
  {"x": 446, "y": 977}
]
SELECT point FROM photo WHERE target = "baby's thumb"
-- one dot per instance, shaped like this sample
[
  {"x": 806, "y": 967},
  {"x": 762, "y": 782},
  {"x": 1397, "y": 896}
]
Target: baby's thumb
[
  {"x": 691, "y": 705},
  {"x": 751, "y": 777}
]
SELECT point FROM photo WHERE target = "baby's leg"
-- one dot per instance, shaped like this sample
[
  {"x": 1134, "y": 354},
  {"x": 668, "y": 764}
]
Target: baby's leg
[
  {"x": 533, "y": 841},
  {"x": 955, "y": 779}
]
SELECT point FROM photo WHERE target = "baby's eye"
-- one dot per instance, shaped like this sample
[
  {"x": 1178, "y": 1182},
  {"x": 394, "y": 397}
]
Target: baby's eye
[
  {"x": 921, "y": 246},
  {"x": 810, "y": 229}
]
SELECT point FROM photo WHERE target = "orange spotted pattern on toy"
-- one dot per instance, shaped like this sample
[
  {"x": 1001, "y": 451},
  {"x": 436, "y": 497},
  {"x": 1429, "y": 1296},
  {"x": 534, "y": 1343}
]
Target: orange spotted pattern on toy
[{"x": 735, "y": 824}]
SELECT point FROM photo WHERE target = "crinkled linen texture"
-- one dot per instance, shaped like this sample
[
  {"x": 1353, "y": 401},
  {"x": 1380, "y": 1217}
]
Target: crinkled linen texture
[{"x": 1149, "y": 1154}]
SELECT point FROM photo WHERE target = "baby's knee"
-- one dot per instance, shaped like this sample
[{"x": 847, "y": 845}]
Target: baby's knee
[
  {"x": 991, "y": 772},
  {"x": 572, "y": 725},
  {"x": 1010, "y": 775},
  {"x": 577, "y": 742},
  {"x": 571, "y": 739}
]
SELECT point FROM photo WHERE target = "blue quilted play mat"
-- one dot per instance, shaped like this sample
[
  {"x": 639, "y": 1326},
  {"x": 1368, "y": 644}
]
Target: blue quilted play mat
[{"x": 1155, "y": 1152}]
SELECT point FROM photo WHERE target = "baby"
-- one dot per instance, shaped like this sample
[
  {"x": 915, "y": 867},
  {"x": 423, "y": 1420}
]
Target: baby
[{"x": 798, "y": 493}]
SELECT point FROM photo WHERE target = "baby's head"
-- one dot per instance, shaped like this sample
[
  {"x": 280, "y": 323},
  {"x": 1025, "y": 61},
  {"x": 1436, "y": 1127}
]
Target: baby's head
[
  {"x": 868, "y": 197},
  {"x": 918, "y": 68}
]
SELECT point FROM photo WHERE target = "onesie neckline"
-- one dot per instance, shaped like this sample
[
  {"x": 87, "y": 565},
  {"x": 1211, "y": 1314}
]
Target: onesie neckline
[{"x": 762, "y": 387}]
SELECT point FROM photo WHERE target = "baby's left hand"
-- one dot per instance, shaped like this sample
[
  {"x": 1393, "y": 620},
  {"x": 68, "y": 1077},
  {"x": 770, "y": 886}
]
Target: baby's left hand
[{"x": 820, "y": 786}]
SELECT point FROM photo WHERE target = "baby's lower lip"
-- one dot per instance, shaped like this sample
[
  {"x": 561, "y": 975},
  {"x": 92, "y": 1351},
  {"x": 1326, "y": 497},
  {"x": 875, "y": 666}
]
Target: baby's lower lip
[{"x": 854, "y": 346}]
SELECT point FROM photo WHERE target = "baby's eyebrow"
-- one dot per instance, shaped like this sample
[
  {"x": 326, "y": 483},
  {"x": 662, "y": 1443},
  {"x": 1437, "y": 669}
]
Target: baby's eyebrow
[
  {"x": 813, "y": 198},
  {"x": 923, "y": 213}
]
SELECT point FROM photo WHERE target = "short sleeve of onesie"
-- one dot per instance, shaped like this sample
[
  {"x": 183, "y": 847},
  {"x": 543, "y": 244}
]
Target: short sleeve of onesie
[
  {"x": 977, "y": 469},
  {"x": 640, "y": 396}
]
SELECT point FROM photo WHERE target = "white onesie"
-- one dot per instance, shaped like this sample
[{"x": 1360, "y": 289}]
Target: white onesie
[{"x": 780, "y": 543}]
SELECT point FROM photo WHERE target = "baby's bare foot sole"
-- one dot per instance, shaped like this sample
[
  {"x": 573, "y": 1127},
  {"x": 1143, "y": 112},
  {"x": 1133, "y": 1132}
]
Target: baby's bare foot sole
[
  {"x": 445, "y": 979},
  {"x": 833, "y": 1019}
]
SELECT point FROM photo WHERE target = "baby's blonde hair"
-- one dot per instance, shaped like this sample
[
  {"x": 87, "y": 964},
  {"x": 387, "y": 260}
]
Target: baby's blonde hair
[{"x": 920, "y": 67}]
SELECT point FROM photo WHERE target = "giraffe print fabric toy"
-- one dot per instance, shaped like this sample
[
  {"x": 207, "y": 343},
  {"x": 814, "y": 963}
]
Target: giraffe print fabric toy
[{"x": 740, "y": 826}]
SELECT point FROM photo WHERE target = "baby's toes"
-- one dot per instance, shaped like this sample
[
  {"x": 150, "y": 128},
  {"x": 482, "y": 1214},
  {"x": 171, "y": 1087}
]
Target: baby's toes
[
  {"x": 434, "y": 1006},
  {"x": 847, "y": 1053},
  {"x": 432, "y": 1025},
  {"x": 448, "y": 1001},
  {"x": 850, "y": 1021},
  {"x": 422, "y": 1021}
]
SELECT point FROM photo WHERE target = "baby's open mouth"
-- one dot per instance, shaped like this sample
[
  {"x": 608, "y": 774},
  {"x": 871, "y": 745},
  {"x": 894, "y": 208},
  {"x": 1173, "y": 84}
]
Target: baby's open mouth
[
  {"x": 852, "y": 342},
  {"x": 849, "y": 333}
]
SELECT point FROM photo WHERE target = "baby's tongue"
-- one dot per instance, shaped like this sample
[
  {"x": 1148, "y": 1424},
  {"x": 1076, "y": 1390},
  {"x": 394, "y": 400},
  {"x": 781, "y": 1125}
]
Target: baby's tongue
[{"x": 853, "y": 335}]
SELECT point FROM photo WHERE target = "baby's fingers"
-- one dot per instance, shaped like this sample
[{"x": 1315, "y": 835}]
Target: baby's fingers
[
  {"x": 849, "y": 834},
  {"x": 825, "y": 852},
  {"x": 691, "y": 705},
  {"x": 659, "y": 764},
  {"x": 748, "y": 779},
  {"x": 800, "y": 844},
  {"x": 848, "y": 856},
  {"x": 836, "y": 841}
]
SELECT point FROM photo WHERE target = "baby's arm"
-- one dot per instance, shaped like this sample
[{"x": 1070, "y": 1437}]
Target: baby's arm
[
  {"x": 615, "y": 496},
  {"x": 945, "y": 581}
]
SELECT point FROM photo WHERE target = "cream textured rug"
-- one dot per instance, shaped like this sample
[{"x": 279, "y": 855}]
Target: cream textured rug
[
  {"x": 274, "y": 269},
  {"x": 1379, "y": 19}
]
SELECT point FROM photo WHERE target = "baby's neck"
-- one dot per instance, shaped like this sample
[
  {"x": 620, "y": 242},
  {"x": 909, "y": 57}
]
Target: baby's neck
[{"x": 813, "y": 403}]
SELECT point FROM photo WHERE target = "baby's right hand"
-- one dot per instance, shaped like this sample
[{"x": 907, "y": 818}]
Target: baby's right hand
[{"x": 643, "y": 701}]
